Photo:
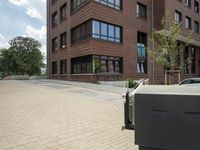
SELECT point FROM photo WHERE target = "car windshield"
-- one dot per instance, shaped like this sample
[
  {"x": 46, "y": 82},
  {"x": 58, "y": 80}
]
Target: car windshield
[
  {"x": 190, "y": 81},
  {"x": 196, "y": 81}
]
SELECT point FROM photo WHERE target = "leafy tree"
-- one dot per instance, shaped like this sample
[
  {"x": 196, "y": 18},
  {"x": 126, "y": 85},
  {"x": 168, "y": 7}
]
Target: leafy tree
[
  {"x": 23, "y": 56},
  {"x": 167, "y": 48}
]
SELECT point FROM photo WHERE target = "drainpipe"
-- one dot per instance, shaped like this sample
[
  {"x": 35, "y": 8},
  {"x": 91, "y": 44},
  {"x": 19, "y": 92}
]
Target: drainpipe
[
  {"x": 153, "y": 65},
  {"x": 48, "y": 70}
]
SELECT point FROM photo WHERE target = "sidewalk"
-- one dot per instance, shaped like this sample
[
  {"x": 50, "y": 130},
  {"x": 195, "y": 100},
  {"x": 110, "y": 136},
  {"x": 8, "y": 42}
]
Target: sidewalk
[{"x": 107, "y": 88}]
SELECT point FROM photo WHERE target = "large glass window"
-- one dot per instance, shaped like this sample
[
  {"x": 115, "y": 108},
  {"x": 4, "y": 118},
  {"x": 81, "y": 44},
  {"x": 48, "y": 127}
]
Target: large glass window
[
  {"x": 81, "y": 32},
  {"x": 117, "y": 34},
  {"x": 111, "y": 33},
  {"x": 96, "y": 29},
  {"x": 63, "y": 66},
  {"x": 106, "y": 64},
  {"x": 81, "y": 65},
  {"x": 63, "y": 11},
  {"x": 141, "y": 52},
  {"x": 96, "y": 64},
  {"x": 106, "y": 31},
  {"x": 141, "y": 10},
  {"x": 76, "y": 4},
  {"x": 117, "y": 4},
  {"x": 54, "y": 68}
]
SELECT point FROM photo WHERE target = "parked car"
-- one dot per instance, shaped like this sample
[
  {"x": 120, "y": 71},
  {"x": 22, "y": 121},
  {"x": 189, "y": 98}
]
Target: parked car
[{"x": 190, "y": 81}]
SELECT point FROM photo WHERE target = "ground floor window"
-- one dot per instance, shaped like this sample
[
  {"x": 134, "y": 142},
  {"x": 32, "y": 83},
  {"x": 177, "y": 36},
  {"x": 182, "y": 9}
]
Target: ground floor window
[
  {"x": 185, "y": 59},
  {"x": 63, "y": 66},
  {"x": 96, "y": 64},
  {"x": 107, "y": 64},
  {"x": 141, "y": 53},
  {"x": 193, "y": 60},
  {"x": 81, "y": 65},
  {"x": 54, "y": 68}
]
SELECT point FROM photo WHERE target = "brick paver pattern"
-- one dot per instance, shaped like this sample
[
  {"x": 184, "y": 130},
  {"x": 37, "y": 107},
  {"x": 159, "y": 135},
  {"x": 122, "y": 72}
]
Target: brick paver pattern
[{"x": 39, "y": 116}]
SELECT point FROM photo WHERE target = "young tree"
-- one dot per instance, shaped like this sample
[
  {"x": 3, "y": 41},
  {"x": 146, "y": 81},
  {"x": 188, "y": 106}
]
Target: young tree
[
  {"x": 23, "y": 56},
  {"x": 167, "y": 47}
]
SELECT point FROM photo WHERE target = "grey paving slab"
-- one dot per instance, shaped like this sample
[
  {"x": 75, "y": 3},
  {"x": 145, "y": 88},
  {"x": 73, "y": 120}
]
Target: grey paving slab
[{"x": 40, "y": 116}]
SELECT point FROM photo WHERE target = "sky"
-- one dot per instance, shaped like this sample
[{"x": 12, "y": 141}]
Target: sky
[{"x": 23, "y": 18}]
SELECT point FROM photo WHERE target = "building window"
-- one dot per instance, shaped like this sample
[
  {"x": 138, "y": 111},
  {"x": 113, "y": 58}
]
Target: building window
[
  {"x": 141, "y": 53},
  {"x": 97, "y": 29},
  {"x": 76, "y": 4},
  {"x": 185, "y": 59},
  {"x": 63, "y": 40},
  {"x": 117, "y": 4},
  {"x": 196, "y": 27},
  {"x": 54, "y": 44},
  {"x": 178, "y": 17},
  {"x": 188, "y": 22},
  {"x": 193, "y": 60},
  {"x": 188, "y": 3},
  {"x": 63, "y": 66},
  {"x": 63, "y": 12},
  {"x": 141, "y": 11},
  {"x": 54, "y": 19},
  {"x": 196, "y": 6},
  {"x": 54, "y": 68},
  {"x": 96, "y": 64},
  {"x": 81, "y": 32},
  {"x": 81, "y": 65},
  {"x": 106, "y": 31},
  {"x": 107, "y": 64},
  {"x": 178, "y": 58}
]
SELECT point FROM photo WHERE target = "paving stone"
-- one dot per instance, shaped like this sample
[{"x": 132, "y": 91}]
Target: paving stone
[{"x": 39, "y": 116}]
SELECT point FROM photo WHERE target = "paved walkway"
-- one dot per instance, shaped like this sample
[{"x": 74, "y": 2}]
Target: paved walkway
[
  {"x": 108, "y": 88},
  {"x": 41, "y": 115}
]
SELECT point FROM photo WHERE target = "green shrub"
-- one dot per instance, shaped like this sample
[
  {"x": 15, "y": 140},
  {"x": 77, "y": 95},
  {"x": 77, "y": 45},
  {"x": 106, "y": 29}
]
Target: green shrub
[{"x": 132, "y": 83}]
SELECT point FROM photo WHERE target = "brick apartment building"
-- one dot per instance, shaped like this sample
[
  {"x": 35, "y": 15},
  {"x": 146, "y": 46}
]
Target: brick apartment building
[{"x": 92, "y": 40}]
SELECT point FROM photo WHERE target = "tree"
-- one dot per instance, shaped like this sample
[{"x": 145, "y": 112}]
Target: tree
[
  {"x": 167, "y": 47},
  {"x": 23, "y": 56}
]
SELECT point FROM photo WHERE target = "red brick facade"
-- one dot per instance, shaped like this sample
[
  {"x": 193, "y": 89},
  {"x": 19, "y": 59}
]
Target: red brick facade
[{"x": 127, "y": 49}]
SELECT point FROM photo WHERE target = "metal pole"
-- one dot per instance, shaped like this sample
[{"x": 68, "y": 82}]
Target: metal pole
[{"x": 153, "y": 65}]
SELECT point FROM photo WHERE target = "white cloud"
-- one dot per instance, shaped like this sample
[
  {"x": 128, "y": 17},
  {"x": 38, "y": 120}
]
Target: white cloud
[
  {"x": 33, "y": 13},
  {"x": 18, "y": 2},
  {"x": 3, "y": 42},
  {"x": 34, "y": 8},
  {"x": 38, "y": 34}
]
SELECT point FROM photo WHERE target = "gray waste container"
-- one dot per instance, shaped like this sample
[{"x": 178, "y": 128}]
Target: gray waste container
[{"x": 167, "y": 118}]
